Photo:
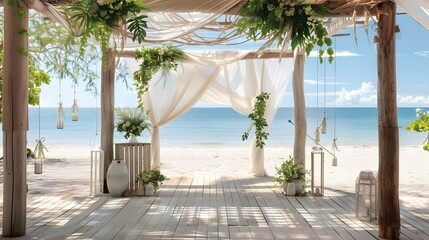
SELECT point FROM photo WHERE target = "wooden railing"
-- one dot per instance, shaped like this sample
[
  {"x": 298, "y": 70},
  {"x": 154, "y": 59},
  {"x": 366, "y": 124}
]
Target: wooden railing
[{"x": 137, "y": 158}]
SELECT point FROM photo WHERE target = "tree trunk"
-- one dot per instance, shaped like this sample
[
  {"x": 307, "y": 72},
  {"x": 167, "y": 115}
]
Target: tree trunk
[
  {"x": 15, "y": 119},
  {"x": 299, "y": 107},
  {"x": 388, "y": 168},
  {"x": 107, "y": 103}
]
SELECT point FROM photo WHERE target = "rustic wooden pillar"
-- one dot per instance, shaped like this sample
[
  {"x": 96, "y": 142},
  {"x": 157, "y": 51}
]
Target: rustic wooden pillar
[
  {"x": 15, "y": 118},
  {"x": 388, "y": 136},
  {"x": 107, "y": 103},
  {"x": 299, "y": 107}
]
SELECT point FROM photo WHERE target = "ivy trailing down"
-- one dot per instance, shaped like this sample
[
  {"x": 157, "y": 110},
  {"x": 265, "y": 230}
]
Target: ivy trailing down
[
  {"x": 421, "y": 125},
  {"x": 258, "y": 120},
  {"x": 154, "y": 59},
  {"x": 284, "y": 20},
  {"x": 100, "y": 18}
]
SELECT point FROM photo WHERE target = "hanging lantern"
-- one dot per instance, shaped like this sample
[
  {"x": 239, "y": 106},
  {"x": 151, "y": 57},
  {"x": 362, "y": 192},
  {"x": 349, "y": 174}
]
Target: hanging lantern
[
  {"x": 323, "y": 126},
  {"x": 61, "y": 117},
  {"x": 334, "y": 149},
  {"x": 74, "y": 110},
  {"x": 97, "y": 171},
  {"x": 39, "y": 156},
  {"x": 366, "y": 196},
  {"x": 317, "y": 176},
  {"x": 316, "y": 137}
]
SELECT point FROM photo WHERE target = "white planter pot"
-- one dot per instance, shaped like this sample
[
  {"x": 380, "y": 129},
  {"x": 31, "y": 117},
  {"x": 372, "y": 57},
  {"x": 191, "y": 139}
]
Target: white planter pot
[
  {"x": 290, "y": 191},
  {"x": 117, "y": 178},
  {"x": 148, "y": 189},
  {"x": 299, "y": 185}
]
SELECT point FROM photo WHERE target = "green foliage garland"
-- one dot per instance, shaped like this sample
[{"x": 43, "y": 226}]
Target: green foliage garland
[
  {"x": 258, "y": 120},
  {"x": 154, "y": 59},
  {"x": 100, "y": 18},
  {"x": 421, "y": 125},
  {"x": 279, "y": 20}
]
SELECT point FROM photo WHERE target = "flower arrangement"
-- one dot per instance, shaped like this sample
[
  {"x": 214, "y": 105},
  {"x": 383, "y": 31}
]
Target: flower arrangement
[
  {"x": 99, "y": 18},
  {"x": 154, "y": 59},
  {"x": 151, "y": 176},
  {"x": 132, "y": 122},
  {"x": 289, "y": 171},
  {"x": 284, "y": 20},
  {"x": 421, "y": 125}
]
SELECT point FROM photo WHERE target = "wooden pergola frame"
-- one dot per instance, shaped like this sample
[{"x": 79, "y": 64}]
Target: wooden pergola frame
[{"x": 15, "y": 110}]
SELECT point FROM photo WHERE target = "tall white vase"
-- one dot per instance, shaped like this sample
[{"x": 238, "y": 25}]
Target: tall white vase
[{"x": 117, "y": 178}]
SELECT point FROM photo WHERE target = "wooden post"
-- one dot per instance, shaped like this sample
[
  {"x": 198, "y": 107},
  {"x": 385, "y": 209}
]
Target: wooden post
[
  {"x": 388, "y": 138},
  {"x": 107, "y": 103},
  {"x": 299, "y": 107},
  {"x": 15, "y": 119}
]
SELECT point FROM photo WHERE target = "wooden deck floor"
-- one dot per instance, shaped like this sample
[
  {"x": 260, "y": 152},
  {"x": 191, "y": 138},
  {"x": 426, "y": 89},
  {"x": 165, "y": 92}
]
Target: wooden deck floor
[{"x": 205, "y": 207}]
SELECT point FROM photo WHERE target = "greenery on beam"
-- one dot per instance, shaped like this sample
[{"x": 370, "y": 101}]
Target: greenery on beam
[
  {"x": 284, "y": 20},
  {"x": 258, "y": 120},
  {"x": 163, "y": 58}
]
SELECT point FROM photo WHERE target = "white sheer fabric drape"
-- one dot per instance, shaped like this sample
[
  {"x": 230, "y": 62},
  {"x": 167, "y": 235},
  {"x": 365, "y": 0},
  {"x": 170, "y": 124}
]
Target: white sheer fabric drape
[
  {"x": 174, "y": 93},
  {"x": 238, "y": 85},
  {"x": 417, "y": 9}
]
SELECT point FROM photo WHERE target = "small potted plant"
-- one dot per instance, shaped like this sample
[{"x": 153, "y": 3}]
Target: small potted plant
[
  {"x": 290, "y": 172},
  {"x": 150, "y": 179},
  {"x": 132, "y": 122}
]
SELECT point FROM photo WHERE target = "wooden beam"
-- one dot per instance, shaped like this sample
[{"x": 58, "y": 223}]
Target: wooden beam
[
  {"x": 251, "y": 55},
  {"x": 299, "y": 107},
  {"x": 107, "y": 104},
  {"x": 388, "y": 168},
  {"x": 15, "y": 119}
]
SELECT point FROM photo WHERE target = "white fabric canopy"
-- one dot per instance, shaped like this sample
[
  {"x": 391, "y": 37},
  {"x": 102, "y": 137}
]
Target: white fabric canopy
[
  {"x": 217, "y": 77},
  {"x": 417, "y": 9}
]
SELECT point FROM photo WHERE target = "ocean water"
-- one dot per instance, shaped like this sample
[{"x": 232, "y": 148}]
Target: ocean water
[{"x": 224, "y": 127}]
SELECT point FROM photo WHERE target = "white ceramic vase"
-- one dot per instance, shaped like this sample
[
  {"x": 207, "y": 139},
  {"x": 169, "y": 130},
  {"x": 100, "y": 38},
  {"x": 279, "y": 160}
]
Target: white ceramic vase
[
  {"x": 117, "y": 178},
  {"x": 133, "y": 139},
  {"x": 148, "y": 189},
  {"x": 299, "y": 184}
]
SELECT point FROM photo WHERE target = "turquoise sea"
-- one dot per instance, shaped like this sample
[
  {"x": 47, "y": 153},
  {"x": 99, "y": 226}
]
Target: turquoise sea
[{"x": 224, "y": 127}]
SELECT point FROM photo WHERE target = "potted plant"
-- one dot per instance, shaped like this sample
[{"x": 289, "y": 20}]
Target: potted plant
[
  {"x": 148, "y": 179},
  {"x": 290, "y": 172},
  {"x": 132, "y": 122}
]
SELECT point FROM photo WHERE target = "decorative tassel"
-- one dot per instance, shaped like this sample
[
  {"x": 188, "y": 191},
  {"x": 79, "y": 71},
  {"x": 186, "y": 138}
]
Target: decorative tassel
[
  {"x": 323, "y": 125},
  {"x": 74, "y": 110},
  {"x": 317, "y": 137},
  {"x": 334, "y": 149},
  {"x": 61, "y": 116},
  {"x": 39, "y": 149}
]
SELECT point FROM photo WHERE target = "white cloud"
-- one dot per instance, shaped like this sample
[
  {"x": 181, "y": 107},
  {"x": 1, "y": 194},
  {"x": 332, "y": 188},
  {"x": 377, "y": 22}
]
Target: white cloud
[
  {"x": 413, "y": 100},
  {"x": 365, "y": 94},
  {"x": 338, "y": 54},
  {"x": 422, "y": 53}
]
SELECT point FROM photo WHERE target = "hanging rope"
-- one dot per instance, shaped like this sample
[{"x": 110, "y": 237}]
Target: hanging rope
[
  {"x": 61, "y": 116},
  {"x": 334, "y": 147},
  {"x": 324, "y": 123},
  {"x": 317, "y": 131},
  {"x": 74, "y": 108}
]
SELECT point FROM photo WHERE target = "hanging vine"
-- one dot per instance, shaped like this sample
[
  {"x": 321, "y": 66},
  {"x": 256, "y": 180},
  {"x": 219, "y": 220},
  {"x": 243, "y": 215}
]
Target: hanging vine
[
  {"x": 154, "y": 59},
  {"x": 258, "y": 120},
  {"x": 421, "y": 125}
]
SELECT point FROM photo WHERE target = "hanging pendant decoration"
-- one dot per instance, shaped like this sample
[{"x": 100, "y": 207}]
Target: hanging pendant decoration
[
  {"x": 74, "y": 108},
  {"x": 323, "y": 125},
  {"x": 61, "y": 117},
  {"x": 334, "y": 150},
  {"x": 317, "y": 137},
  {"x": 40, "y": 155}
]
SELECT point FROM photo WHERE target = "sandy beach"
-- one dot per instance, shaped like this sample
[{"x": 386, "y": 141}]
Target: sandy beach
[{"x": 67, "y": 169}]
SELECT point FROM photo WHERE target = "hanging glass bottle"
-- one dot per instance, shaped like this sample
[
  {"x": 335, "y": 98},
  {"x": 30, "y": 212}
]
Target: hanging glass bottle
[{"x": 74, "y": 107}]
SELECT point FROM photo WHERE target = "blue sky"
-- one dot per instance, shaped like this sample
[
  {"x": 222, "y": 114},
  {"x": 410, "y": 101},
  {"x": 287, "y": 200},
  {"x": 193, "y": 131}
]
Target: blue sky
[{"x": 356, "y": 74}]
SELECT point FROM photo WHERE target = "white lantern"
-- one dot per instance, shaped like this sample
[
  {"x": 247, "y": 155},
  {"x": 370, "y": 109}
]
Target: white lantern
[
  {"x": 97, "y": 171},
  {"x": 317, "y": 176},
  {"x": 366, "y": 196},
  {"x": 38, "y": 165}
]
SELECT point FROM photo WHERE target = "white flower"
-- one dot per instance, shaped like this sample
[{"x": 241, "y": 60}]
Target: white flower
[{"x": 101, "y": 2}]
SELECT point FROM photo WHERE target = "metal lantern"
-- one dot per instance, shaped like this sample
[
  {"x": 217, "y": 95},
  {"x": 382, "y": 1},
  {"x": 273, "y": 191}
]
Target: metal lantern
[
  {"x": 317, "y": 177},
  {"x": 97, "y": 171},
  {"x": 366, "y": 196}
]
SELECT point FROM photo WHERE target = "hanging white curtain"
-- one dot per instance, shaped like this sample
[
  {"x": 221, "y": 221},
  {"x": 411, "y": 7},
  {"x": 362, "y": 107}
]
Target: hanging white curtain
[
  {"x": 417, "y": 9},
  {"x": 241, "y": 82}
]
